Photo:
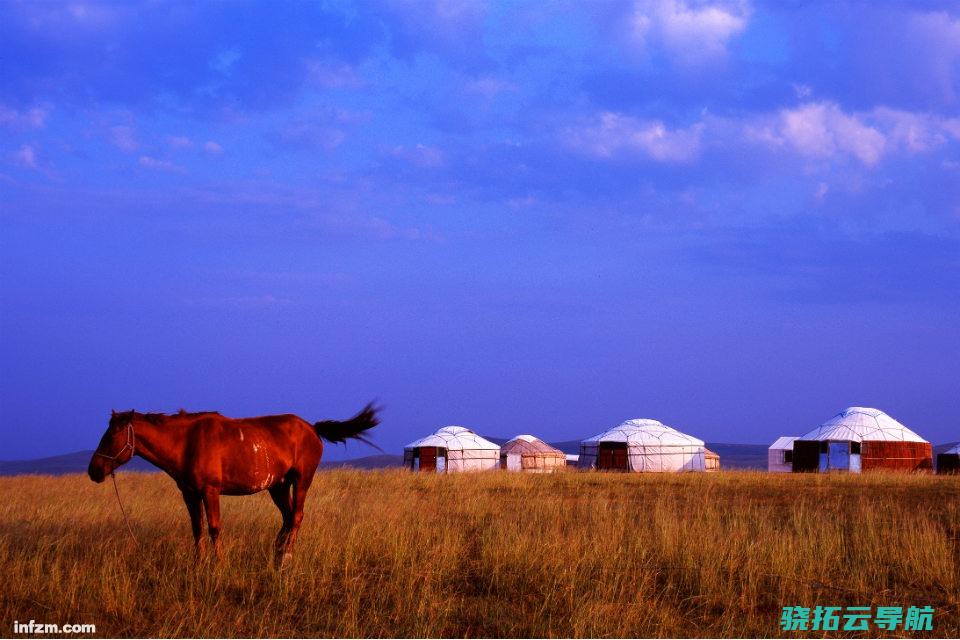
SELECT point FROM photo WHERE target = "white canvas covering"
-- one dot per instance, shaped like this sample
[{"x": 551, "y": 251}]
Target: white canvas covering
[
  {"x": 776, "y": 455},
  {"x": 954, "y": 450},
  {"x": 514, "y": 462},
  {"x": 466, "y": 451},
  {"x": 651, "y": 447},
  {"x": 858, "y": 424}
]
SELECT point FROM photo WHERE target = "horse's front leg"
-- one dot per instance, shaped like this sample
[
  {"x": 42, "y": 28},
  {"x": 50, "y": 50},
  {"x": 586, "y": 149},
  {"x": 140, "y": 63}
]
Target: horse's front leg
[
  {"x": 211, "y": 504},
  {"x": 195, "y": 508}
]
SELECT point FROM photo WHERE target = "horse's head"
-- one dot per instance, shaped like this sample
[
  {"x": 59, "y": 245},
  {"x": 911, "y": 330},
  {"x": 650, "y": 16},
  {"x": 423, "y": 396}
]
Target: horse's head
[{"x": 116, "y": 446}]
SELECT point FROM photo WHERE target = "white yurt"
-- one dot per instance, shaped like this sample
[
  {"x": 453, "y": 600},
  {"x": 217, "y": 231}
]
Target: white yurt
[
  {"x": 644, "y": 445},
  {"x": 780, "y": 455},
  {"x": 861, "y": 439},
  {"x": 452, "y": 449}
]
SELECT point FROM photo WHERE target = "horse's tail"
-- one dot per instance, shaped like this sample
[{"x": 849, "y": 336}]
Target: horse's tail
[{"x": 343, "y": 430}]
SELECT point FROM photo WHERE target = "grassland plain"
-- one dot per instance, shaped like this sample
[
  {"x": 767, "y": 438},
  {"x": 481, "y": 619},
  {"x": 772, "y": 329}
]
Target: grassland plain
[{"x": 573, "y": 554}]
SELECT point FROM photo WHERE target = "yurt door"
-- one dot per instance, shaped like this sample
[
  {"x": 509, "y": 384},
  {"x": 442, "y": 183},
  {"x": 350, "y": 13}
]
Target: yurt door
[
  {"x": 806, "y": 455},
  {"x": 441, "y": 463},
  {"x": 511, "y": 462},
  {"x": 612, "y": 456},
  {"x": 839, "y": 456},
  {"x": 428, "y": 458}
]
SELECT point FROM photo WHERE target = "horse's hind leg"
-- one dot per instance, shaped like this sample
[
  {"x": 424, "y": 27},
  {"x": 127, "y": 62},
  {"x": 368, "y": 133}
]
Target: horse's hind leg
[
  {"x": 195, "y": 508},
  {"x": 300, "y": 487},
  {"x": 281, "y": 497},
  {"x": 211, "y": 504}
]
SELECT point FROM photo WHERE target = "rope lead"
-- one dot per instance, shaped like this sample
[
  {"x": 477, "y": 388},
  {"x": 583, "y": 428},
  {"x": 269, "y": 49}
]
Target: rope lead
[{"x": 113, "y": 476}]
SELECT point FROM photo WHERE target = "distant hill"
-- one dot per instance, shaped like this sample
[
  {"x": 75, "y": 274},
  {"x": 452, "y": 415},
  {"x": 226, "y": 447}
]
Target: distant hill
[
  {"x": 940, "y": 448},
  {"x": 732, "y": 456},
  {"x": 75, "y": 462},
  {"x": 740, "y": 456},
  {"x": 379, "y": 461},
  {"x": 567, "y": 446}
]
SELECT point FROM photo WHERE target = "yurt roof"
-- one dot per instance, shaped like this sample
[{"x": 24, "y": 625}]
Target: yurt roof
[
  {"x": 528, "y": 444},
  {"x": 954, "y": 449},
  {"x": 456, "y": 438},
  {"x": 862, "y": 423},
  {"x": 784, "y": 442},
  {"x": 644, "y": 432}
]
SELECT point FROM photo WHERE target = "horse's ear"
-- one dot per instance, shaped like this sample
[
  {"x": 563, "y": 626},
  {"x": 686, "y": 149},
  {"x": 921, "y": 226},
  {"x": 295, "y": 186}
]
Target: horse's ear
[{"x": 113, "y": 412}]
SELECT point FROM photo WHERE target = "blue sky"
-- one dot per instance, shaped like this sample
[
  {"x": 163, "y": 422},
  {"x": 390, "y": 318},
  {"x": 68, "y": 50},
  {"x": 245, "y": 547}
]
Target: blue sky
[{"x": 735, "y": 217}]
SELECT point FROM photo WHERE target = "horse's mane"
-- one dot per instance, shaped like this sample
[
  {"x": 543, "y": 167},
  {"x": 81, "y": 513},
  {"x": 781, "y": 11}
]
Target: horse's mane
[{"x": 157, "y": 418}]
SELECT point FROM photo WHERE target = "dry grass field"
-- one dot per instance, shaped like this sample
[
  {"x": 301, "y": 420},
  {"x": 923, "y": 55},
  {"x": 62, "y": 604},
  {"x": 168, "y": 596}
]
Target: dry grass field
[{"x": 397, "y": 554}]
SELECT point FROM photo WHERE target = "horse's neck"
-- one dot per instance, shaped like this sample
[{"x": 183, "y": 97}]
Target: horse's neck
[{"x": 157, "y": 445}]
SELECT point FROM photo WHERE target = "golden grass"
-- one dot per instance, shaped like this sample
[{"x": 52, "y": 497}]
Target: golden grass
[{"x": 497, "y": 554}]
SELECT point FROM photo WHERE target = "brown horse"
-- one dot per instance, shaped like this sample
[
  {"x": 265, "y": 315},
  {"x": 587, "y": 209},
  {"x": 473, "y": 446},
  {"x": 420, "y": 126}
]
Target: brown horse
[{"x": 209, "y": 455}]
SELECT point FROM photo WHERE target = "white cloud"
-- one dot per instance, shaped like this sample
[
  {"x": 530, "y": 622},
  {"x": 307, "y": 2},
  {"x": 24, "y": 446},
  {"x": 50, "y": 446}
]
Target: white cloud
[
  {"x": 124, "y": 138},
  {"x": 92, "y": 14},
  {"x": 823, "y": 130},
  {"x": 458, "y": 11},
  {"x": 441, "y": 17},
  {"x": 33, "y": 118},
  {"x": 308, "y": 134},
  {"x": 693, "y": 33},
  {"x": 803, "y": 91},
  {"x": 332, "y": 74},
  {"x": 952, "y": 126},
  {"x": 179, "y": 142},
  {"x": 374, "y": 227},
  {"x": 159, "y": 165},
  {"x": 251, "y": 302},
  {"x": 936, "y": 37},
  {"x": 421, "y": 155},
  {"x": 440, "y": 199},
  {"x": 488, "y": 86},
  {"x": 912, "y": 132},
  {"x": 224, "y": 61},
  {"x": 212, "y": 148},
  {"x": 611, "y": 134},
  {"x": 815, "y": 131},
  {"x": 27, "y": 156},
  {"x": 522, "y": 203}
]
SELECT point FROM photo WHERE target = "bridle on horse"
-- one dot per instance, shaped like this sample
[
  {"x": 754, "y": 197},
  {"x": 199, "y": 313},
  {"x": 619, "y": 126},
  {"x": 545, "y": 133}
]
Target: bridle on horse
[{"x": 131, "y": 443}]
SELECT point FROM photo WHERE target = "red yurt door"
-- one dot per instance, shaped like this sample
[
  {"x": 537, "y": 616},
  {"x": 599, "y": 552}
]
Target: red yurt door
[
  {"x": 612, "y": 456},
  {"x": 428, "y": 458}
]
